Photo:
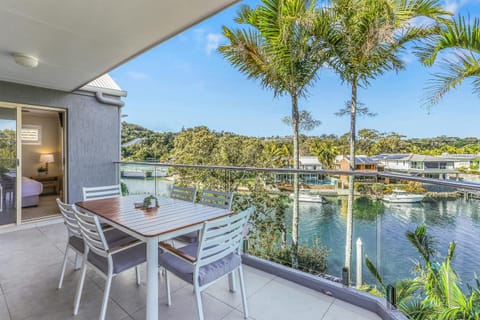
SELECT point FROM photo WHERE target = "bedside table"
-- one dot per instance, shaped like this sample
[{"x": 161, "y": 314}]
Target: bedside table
[{"x": 52, "y": 182}]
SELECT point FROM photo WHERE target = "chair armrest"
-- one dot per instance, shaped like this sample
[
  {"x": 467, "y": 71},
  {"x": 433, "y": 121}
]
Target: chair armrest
[
  {"x": 125, "y": 245},
  {"x": 177, "y": 252}
]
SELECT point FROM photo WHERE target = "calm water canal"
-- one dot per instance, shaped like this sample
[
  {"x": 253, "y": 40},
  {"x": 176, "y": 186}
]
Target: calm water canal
[{"x": 382, "y": 228}]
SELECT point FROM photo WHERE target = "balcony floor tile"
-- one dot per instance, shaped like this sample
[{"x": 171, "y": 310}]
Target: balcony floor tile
[
  {"x": 30, "y": 262},
  {"x": 4, "y": 314}
]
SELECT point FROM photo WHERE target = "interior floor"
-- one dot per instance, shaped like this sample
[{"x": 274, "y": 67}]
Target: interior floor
[{"x": 47, "y": 206}]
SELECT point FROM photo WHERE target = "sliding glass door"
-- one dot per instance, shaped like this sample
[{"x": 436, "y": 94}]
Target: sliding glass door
[{"x": 8, "y": 165}]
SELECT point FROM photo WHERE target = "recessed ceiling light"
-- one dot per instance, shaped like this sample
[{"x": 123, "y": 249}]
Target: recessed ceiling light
[{"x": 25, "y": 60}]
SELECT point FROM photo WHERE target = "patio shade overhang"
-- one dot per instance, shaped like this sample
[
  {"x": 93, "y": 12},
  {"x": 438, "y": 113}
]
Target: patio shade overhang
[{"x": 77, "y": 41}]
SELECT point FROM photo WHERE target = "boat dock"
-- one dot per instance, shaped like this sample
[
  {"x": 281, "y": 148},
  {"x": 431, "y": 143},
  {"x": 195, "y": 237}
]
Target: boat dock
[
  {"x": 143, "y": 173},
  {"x": 468, "y": 194}
]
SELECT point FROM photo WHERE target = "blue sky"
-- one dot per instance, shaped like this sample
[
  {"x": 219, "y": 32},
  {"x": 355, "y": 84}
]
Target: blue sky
[{"x": 184, "y": 82}]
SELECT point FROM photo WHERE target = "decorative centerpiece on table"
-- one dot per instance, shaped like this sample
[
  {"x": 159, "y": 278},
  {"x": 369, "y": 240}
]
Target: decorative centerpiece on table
[{"x": 148, "y": 203}]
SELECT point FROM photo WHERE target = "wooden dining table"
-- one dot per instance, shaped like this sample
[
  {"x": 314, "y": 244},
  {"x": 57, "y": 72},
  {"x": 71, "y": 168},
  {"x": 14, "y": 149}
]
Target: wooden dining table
[{"x": 172, "y": 218}]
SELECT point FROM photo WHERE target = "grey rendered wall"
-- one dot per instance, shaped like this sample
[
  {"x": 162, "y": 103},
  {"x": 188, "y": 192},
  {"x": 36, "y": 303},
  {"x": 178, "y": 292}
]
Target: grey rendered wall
[{"x": 92, "y": 133}]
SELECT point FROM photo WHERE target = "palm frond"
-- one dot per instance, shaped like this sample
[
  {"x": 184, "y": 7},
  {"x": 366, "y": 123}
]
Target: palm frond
[
  {"x": 373, "y": 270},
  {"x": 458, "y": 68},
  {"x": 458, "y": 34},
  {"x": 422, "y": 242}
]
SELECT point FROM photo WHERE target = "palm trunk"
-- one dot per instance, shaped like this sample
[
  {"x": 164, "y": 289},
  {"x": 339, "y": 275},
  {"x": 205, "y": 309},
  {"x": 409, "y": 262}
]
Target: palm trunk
[
  {"x": 295, "y": 216},
  {"x": 351, "y": 180}
]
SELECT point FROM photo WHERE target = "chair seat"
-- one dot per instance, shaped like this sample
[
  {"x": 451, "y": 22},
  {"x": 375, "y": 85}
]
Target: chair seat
[
  {"x": 113, "y": 237},
  {"x": 122, "y": 260},
  {"x": 77, "y": 243},
  {"x": 207, "y": 273}
]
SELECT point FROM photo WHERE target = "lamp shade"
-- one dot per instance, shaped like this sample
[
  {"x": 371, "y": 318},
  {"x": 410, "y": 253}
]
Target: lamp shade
[{"x": 47, "y": 158}]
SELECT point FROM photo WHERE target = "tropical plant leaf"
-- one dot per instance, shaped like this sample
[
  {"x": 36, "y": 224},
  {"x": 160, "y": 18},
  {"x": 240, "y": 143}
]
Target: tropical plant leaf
[
  {"x": 422, "y": 242},
  {"x": 373, "y": 270}
]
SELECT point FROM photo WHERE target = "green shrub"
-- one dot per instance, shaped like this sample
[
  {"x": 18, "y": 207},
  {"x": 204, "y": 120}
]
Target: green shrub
[{"x": 310, "y": 259}]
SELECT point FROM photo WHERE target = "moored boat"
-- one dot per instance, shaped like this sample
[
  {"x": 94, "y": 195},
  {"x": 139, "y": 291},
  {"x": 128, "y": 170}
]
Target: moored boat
[
  {"x": 306, "y": 197},
  {"x": 401, "y": 196}
]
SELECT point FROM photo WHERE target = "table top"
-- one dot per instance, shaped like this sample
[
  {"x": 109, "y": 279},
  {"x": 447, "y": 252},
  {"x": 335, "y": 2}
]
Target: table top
[{"x": 172, "y": 214}]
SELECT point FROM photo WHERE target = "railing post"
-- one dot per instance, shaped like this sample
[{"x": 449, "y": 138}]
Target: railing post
[
  {"x": 346, "y": 276},
  {"x": 391, "y": 296},
  {"x": 359, "y": 263}
]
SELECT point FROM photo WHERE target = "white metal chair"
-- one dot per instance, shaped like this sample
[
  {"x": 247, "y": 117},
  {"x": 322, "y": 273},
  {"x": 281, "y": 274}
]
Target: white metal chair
[
  {"x": 184, "y": 193},
  {"x": 217, "y": 254},
  {"x": 103, "y": 192},
  {"x": 75, "y": 240},
  {"x": 217, "y": 199},
  {"x": 107, "y": 259}
]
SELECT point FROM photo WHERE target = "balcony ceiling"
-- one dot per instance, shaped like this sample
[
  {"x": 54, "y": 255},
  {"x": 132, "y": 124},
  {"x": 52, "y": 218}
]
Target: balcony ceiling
[{"x": 77, "y": 41}]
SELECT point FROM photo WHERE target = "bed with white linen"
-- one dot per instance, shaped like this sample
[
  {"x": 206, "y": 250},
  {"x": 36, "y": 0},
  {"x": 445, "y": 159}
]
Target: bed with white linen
[{"x": 31, "y": 189}]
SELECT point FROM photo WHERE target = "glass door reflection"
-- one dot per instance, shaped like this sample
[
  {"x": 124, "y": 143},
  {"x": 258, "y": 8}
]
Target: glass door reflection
[{"x": 8, "y": 165}]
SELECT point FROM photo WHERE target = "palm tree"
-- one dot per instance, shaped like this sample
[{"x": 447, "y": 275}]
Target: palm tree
[
  {"x": 435, "y": 293},
  {"x": 367, "y": 37},
  {"x": 464, "y": 38},
  {"x": 275, "y": 46},
  {"x": 326, "y": 151}
]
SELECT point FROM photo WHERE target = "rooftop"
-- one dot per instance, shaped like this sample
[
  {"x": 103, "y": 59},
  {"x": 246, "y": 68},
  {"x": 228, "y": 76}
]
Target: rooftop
[{"x": 30, "y": 272}]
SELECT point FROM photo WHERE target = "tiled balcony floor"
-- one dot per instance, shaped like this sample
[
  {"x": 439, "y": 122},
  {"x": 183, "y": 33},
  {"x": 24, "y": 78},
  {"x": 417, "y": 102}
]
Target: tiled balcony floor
[{"x": 30, "y": 262}]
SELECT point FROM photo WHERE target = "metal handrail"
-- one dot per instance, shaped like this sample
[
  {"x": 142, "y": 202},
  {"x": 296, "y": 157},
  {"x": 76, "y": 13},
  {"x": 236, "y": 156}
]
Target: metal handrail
[{"x": 449, "y": 183}]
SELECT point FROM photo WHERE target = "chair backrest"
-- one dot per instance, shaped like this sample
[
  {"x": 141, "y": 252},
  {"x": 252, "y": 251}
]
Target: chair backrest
[
  {"x": 217, "y": 199},
  {"x": 68, "y": 214},
  {"x": 92, "y": 233},
  {"x": 184, "y": 193},
  {"x": 221, "y": 237},
  {"x": 104, "y": 192}
]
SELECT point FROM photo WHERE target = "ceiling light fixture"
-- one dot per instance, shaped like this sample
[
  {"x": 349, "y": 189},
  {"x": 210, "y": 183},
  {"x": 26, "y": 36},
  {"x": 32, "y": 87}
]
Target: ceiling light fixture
[{"x": 25, "y": 60}]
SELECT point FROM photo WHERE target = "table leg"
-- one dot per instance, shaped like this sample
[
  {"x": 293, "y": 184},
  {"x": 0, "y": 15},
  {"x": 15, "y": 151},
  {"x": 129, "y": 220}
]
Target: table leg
[{"x": 152, "y": 279}]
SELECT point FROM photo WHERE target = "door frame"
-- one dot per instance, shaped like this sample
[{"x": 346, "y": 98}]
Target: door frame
[{"x": 19, "y": 123}]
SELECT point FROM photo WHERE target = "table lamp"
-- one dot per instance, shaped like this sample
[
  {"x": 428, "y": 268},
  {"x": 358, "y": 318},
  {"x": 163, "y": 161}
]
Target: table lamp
[{"x": 47, "y": 158}]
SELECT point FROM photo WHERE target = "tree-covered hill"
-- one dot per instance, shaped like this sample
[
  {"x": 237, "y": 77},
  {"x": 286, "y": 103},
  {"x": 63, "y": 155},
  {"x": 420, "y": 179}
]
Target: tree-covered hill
[
  {"x": 139, "y": 143},
  {"x": 200, "y": 145}
]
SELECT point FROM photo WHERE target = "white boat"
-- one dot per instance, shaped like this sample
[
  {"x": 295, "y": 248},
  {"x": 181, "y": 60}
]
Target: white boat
[
  {"x": 305, "y": 197},
  {"x": 401, "y": 196}
]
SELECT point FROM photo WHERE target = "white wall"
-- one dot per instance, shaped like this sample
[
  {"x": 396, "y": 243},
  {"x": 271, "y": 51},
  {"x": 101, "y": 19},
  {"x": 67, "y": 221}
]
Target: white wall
[
  {"x": 397, "y": 164},
  {"x": 49, "y": 144}
]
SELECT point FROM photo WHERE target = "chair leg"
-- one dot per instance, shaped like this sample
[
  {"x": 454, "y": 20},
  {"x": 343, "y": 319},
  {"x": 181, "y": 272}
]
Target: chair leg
[
  {"x": 198, "y": 296},
  {"x": 231, "y": 281},
  {"x": 137, "y": 270},
  {"x": 244, "y": 293},
  {"x": 62, "y": 274},
  {"x": 78, "y": 295},
  {"x": 77, "y": 261},
  {"x": 106, "y": 295},
  {"x": 167, "y": 287}
]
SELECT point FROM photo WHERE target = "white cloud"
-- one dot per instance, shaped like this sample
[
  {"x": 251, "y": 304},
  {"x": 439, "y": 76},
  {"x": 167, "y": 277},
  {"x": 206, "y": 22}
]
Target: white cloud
[
  {"x": 137, "y": 75},
  {"x": 213, "y": 42},
  {"x": 455, "y": 5}
]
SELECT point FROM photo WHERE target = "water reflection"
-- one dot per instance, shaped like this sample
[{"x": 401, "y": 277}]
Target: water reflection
[{"x": 382, "y": 227}]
